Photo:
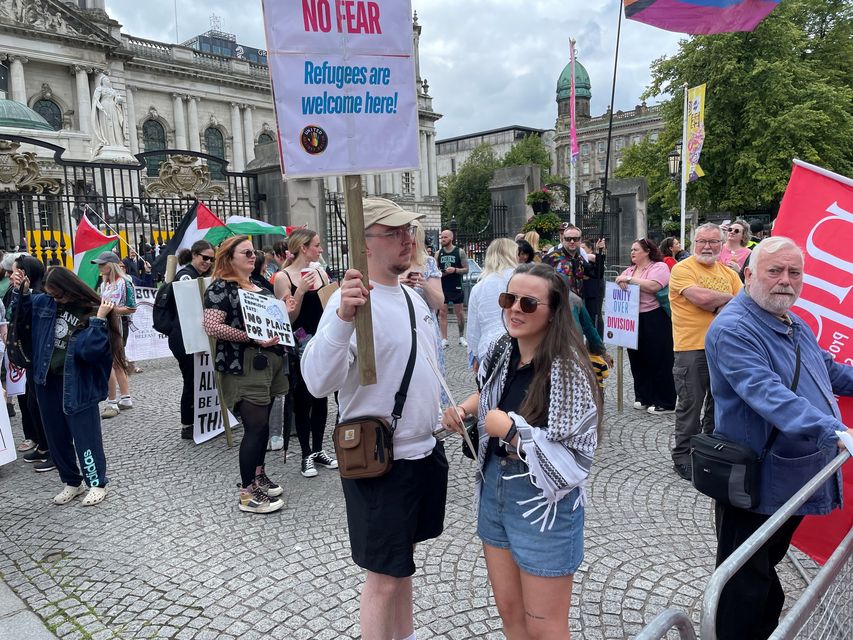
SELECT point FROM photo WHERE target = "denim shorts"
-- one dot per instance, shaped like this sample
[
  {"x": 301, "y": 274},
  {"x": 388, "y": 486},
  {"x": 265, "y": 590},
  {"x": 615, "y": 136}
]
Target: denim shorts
[{"x": 551, "y": 553}]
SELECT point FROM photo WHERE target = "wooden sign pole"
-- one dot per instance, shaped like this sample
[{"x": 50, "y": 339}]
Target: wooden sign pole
[
  {"x": 358, "y": 260},
  {"x": 223, "y": 410}
]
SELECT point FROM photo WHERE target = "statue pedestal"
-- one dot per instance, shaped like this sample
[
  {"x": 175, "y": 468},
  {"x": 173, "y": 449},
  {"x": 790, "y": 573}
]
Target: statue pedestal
[{"x": 114, "y": 153}]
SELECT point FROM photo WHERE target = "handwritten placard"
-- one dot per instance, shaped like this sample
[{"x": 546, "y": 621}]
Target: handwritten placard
[{"x": 265, "y": 317}]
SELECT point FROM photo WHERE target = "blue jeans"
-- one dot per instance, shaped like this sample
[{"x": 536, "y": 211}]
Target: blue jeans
[{"x": 80, "y": 432}]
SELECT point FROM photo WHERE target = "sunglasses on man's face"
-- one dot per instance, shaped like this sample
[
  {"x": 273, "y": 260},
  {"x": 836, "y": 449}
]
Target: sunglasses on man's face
[
  {"x": 571, "y": 238},
  {"x": 525, "y": 303}
]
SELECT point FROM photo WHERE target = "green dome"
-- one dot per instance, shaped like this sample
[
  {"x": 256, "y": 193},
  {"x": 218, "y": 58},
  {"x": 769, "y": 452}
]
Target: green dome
[
  {"x": 18, "y": 116},
  {"x": 582, "y": 85}
]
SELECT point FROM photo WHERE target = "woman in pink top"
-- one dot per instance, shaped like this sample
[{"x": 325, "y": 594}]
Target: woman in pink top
[
  {"x": 651, "y": 362},
  {"x": 735, "y": 252}
]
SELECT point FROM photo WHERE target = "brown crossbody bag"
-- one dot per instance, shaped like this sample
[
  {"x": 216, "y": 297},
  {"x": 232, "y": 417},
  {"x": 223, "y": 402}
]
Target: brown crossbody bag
[{"x": 365, "y": 446}]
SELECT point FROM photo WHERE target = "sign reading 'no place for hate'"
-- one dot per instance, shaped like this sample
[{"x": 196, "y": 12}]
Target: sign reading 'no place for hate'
[{"x": 344, "y": 85}]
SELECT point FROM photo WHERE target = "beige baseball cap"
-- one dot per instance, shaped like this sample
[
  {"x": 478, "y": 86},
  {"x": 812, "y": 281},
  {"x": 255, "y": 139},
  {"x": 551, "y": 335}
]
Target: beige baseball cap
[{"x": 383, "y": 211}]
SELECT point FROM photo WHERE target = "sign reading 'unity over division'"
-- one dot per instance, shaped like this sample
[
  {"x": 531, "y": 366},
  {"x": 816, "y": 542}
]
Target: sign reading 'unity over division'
[
  {"x": 621, "y": 315},
  {"x": 344, "y": 85}
]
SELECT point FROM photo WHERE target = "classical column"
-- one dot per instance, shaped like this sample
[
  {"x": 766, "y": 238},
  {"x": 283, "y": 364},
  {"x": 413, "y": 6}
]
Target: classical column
[
  {"x": 18, "y": 83},
  {"x": 424, "y": 168},
  {"x": 397, "y": 180},
  {"x": 195, "y": 139},
  {"x": 432, "y": 164},
  {"x": 84, "y": 98},
  {"x": 386, "y": 179},
  {"x": 237, "y": 162},
  {"x": 248, "y": 132},
  {"x": 180, "y": 121},
  {"x": 131, "y": 120}
]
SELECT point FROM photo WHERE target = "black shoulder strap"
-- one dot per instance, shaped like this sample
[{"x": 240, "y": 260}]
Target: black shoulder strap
[
  {"x": 400, "y": 398},
  {"x": 794, "y": 382}
]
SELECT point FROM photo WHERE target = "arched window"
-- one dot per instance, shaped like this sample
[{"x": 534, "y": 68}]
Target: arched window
[
  {"x": 215, "y": 144},
  {"x": 265, "y": 138},
  {"x": 50, "y": 111},
  {"x": 153, "y": 139}
]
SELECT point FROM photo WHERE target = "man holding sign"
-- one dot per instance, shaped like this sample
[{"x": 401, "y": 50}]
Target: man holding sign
[{"x": 389, "y": 514}]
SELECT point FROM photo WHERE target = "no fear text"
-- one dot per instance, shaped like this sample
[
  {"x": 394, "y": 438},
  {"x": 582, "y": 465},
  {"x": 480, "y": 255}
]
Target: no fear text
[{"x": 350, "y": 16}]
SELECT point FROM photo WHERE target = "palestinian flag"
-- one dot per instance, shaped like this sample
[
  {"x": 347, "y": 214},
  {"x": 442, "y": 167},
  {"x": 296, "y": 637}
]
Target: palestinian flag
[
  {"x": 197, "y": 224},
  {"x": 241, "y": 225},
  {"x": 89, "y": 243}
]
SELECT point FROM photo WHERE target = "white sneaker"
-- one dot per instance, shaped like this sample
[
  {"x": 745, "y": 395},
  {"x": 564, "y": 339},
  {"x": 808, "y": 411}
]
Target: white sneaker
[
  {"x": 95, "y": 496},
  {"x": 276, "y": 443},
  {"x": 125, "y": 403},
  {"x": 639, "y": 405},
  {"x": 111, "y": 410},
  {"x": 463, "y": 341},
  {"x": 444, "y": 343},
  {"x": 68, "y": 493}
]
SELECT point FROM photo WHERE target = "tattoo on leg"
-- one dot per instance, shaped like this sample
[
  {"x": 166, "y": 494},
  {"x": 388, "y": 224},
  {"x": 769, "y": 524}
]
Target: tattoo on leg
[{"x": 534, "y": 616}]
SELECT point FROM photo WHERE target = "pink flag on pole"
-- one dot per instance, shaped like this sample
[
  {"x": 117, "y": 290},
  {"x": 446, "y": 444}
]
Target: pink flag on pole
[{"x": 573, "y": 132}]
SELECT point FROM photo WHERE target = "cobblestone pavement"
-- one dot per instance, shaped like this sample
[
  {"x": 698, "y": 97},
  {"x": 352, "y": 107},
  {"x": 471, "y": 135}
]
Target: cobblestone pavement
[{"x": 168, "y": 554}]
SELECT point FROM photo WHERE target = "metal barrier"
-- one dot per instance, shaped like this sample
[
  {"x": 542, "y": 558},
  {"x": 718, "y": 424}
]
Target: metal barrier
[
  {"x": 834, "y": 622},
  {"x": 664, "y": 622}
]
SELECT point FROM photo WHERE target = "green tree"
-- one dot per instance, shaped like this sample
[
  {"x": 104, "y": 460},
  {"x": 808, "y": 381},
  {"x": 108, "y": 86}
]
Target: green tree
[
  {"x": 649, "y": 159},
  {"x": 783, "y": 91},
  {"x": 529, "y": 150},
  {"x": 465, "y": 195}
]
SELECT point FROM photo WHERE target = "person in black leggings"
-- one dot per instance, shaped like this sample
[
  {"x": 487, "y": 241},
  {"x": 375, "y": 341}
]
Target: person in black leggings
[{"x": 302, "y": 278}]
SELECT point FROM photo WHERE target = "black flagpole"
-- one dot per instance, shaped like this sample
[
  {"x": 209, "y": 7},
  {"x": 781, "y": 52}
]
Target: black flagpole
[{"x": 610, "y": 123}]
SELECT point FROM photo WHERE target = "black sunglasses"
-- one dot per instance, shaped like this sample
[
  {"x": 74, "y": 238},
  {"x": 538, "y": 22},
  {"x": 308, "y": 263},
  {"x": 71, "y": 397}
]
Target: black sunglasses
[
  {"x": 571, "y": 238},
  {"x": 205, "y": 258},
  {"x": 249, "y": 253},
  {"x": 526, "y": 303}
]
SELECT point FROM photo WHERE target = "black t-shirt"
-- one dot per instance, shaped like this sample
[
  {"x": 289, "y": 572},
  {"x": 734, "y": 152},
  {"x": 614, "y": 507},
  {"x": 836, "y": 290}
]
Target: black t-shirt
[
  {"x": 450, "y": 281},
  {"x": 518, "y": 380},
  {"x": 69, "y": 318}
]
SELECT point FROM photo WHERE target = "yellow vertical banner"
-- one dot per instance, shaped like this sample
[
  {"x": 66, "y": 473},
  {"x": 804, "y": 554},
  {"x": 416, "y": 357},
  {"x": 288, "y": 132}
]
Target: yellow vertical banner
[{"x": 695, "y": 131}]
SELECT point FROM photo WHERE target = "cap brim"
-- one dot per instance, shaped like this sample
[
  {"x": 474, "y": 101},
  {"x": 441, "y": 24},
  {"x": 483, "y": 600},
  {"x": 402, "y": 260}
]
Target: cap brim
[{"x": 397, "y": 219}]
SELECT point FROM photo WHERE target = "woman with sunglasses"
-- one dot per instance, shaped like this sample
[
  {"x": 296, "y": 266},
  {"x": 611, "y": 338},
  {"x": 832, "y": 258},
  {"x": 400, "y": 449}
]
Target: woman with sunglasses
[
  {"x": 76, "y": 340},
  {"x": 302, "y": 278},
  {"x": 651, "y": 362},
  {"x": 538, "y": 414},
  {"x": 200, "y": 264},
  {"x": 735, "y": 251},
  {"x": 252, "y": 372}
]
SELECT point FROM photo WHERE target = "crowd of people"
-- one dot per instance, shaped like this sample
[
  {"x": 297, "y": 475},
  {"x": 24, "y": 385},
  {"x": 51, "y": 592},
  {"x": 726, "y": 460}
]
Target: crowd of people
[{"x": 716, "y": 353}]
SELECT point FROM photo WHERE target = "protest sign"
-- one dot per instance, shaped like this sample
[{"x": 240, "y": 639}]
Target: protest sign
[
  {"x": 190, "y": 311},
  {"x": 7, "y": 442},
  {"x": 265, "y": 317},
  {"x": 144, "y": 342},
  {"x": 343, "y": 81},
  {"x": 621, "y": 315},
  {"x": 16, "y": 379},
  {"x": 207, "y": 423},
  {"x": 817, "y": 213}
]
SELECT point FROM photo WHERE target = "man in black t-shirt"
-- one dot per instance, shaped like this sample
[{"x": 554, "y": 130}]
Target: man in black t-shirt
[{"x": 453, "y": 263}]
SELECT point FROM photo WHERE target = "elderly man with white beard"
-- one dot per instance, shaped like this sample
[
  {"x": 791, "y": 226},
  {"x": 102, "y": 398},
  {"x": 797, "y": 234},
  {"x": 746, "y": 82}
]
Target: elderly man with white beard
[
  {"x": 699, "y": 287},
  {"x": 774, "y": 390}
]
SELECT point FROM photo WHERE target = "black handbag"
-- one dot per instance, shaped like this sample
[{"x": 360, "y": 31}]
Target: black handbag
[
  {"x": 19, "y": 336},
  {"x": 727, "y": 471}
]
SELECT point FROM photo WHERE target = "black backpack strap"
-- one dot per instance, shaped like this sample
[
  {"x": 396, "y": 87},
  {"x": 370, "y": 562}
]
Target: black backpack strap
[
  {"x": 794, "y": 382},
  {"x": 400, "y": 397}
]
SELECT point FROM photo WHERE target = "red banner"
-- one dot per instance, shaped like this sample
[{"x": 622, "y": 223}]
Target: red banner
[{"x": 817, "y": 213}]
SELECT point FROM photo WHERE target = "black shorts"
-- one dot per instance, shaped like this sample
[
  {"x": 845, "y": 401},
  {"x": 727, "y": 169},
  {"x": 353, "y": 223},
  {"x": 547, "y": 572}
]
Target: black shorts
[
  {"x": 456, "y": 296},
  {"x": 388, "y": 515}
]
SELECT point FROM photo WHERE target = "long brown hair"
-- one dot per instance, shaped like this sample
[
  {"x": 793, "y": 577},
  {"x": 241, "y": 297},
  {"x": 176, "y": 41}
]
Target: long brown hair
[
  {"x": 561, "y": 340},
  {"x": 66, "y": 288},
  {"x": 223, "y": 268}
]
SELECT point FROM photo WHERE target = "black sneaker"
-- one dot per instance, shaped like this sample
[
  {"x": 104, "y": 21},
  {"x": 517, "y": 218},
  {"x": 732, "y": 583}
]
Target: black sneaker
[
  {"x": 47, "y": 465},
  {"x": 268, "y": 486},
  {"x": 187, "y": 432},
  {"x": 322, "y": 458},
  {"x": 308, "y": 468},
  {"x": 36, "y": 456},
  {"x": 684, "y": 471},
  {"x": 254, "y": 500}
]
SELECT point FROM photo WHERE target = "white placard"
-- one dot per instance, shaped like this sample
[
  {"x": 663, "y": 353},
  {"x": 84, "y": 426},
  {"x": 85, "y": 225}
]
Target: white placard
[
  {"x": 207, "y": 422},
  {"x": 621, "y": 315},
  {"x": 7, "y": 442},
  {"x": 344, "y": 85},
  {"x": 144, "y": 342},
  {"x": 190, "y": 312},
  {"x": 265, "y": 317},
  {"x": 16, "y": 379}
]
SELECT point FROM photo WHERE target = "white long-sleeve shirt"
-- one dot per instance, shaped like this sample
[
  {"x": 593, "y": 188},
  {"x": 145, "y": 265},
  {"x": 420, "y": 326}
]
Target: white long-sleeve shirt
[
  {"x": 484, "y": 314},
  {"x": 329, "y": 364}
]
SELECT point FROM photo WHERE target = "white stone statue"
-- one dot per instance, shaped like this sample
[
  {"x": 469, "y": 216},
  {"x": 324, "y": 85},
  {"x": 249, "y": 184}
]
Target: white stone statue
[{"x": 107, "y": 115}]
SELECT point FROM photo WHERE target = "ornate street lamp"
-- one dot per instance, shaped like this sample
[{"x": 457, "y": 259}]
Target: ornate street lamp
[{"x": 674, "y": 162}]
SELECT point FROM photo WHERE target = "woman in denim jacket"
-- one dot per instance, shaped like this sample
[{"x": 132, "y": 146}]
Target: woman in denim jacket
[{"x": 76, "y": 338}]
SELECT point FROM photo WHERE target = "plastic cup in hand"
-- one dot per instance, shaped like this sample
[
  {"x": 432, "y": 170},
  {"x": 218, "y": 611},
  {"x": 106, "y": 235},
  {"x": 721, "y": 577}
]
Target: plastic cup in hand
[{"x": 306, "y": 272}]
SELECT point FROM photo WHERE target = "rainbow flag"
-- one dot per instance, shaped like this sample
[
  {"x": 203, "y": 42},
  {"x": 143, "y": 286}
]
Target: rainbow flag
[{"x": 700, "y": 16}]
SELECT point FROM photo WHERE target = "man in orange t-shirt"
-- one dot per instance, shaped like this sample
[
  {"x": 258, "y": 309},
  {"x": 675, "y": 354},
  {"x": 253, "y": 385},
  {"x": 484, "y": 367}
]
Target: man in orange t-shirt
[{"x": 698, "y": 288}]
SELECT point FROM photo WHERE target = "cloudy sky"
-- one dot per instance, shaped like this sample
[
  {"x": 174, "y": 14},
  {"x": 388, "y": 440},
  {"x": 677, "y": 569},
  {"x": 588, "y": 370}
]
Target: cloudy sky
[{"x": 489, "y": 63}]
